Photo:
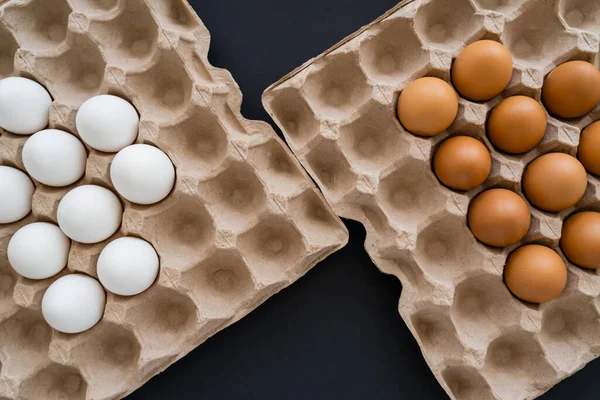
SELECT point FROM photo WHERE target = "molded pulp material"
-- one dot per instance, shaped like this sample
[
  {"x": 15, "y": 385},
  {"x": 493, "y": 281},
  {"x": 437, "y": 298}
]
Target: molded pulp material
[
  {"x": 337, "y": 112},
  {"x": 243, "y": 221}
]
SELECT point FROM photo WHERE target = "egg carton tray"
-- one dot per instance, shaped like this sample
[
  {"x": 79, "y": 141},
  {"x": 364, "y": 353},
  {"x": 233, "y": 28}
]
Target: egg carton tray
[
  {"x": 338, "y": 114},
  {"x": 243, "y": 221}
]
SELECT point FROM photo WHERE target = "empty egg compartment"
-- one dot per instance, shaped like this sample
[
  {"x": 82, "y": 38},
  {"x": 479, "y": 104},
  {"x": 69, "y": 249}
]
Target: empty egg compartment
[
  {"x": 373, "y": 141},
  {"x": 129, "y": 39},
  {"x": 180, "y": 228},
  {"x": 537, "y": 37},
  {"x": 337, "y": 86},
  {"x": 107, "y": 356},
  {"x": 467, "y": 383},
  {"x": 72, "y": 73},
  {"x": 293, "y": 112},
  {"x": 567, "y": 331},
  {"x": 163, "y": 319},
  {"x": 388, "y": 60},
  {"x": 433, "y": 328},
  {"x": 515, "y": 364},
  {"x": 213, "y": 270},
  {"x": 195, "y": 140},
  {"x": 483, "y": 308},
  {"x": 37, "y": 24},
  {"x": 162, "y": 90},
  {"x": 55, "y": 382},
  {"x": 235, "y": 192},
  {"x": 446, "y": 23},
  {"x": 29, "y": 337},
  {"x": 581, "y": 14},
  {"x": 280, "y": 172}
]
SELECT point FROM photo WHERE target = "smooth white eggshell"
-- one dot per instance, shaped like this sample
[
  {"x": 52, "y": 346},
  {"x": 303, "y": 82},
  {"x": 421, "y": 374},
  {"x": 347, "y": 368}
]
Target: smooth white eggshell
[
  {"x": 38, "y": 250},
  {"x": 89, "y": 214},
  {"x": 142, "y": 174},
  {"x": 107, "y": 123},
  {"x": 127, "y": 266},
  {"x": 73, "y": 303},
  {"x": 54, "y": 157},
  {"x": 16, "y": 192},
  {"x": 24, "y": 106}
]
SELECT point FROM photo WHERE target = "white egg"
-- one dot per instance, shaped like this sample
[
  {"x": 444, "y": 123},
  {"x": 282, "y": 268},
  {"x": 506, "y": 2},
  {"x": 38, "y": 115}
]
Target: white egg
[
  {"x": 24, "y": 106},
  {"x": 73, "y": 303},
  {"x": 127, "y": 266},
  {"x": 54, "y": 157},
  {"x": 89, "y": 214},
  {"x": 142, "y": 174},
  {"x": 16, "y": 192},
  {"x": 107, "y": 123},
  {"x": 38, "y": 250}
]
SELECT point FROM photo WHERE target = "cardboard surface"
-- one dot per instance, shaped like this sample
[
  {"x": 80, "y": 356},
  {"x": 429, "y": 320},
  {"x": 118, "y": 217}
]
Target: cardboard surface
[
  {"x": 338, "y": 115},
  {"x": 243, "y": 222}
]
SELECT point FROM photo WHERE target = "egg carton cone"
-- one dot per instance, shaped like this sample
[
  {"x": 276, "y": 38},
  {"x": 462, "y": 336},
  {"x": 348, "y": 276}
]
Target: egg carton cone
[
  {"x": 338, "y": 114},
  {"x": 243, "y": 221}
]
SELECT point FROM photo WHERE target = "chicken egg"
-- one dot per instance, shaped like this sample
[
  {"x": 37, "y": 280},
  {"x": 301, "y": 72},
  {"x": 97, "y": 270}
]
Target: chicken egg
[
  {"x": 73, "y": 303},
  {"x": 482, "y": 70},
  {"x": 499, "y": 217},
  {"x": 427, "y": 106},
  {"x": 572, "y": 89},
  {"x": 17, "y": 192},
  {"x": 127, "y": 266},
  {"x": 24, "y": 106},
  {"x": 554, "y": 182},
  {"x": 107, "y": 123},
  {"x": 54, "y": 157},
  {"x": 517, "y": 124},
  {"x": 89, "y": 214},
  {"x": 462, "y": 163},
  {"x": 142, "y": 174},
  {"x": 38, "y": 250},
  {"x": 580, "y": 239},
  {"x": 535, "y": 273},
  {"x": 588, "y": 151}
]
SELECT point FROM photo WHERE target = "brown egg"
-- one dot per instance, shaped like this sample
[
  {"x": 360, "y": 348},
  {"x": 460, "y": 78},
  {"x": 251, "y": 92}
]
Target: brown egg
[
  {"x": 572, "y": 89},
  {"x": 462, "y": 163},
  {"x": 580, "y": 240},
  {"x": 517, "y": 124},
  {"x": 499, "y": 217},
  {"x": 535, "y": 273},
  {"x": 427, "y": 106},
  {"x": 554, "y": 182},
  {"x": 589, "y": 148},
  {"x": 482, "y": 70}
]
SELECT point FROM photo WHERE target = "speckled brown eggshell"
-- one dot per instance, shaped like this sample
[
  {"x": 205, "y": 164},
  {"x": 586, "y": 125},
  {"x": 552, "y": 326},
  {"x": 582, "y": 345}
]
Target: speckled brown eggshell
[
  {"x": 572, "y": 89},
  {"x": 580, "y": 240},
  {"x": 482, "y": 70},
  {"x": 588, "y": 152},
  {"x": 462, "y": 163},
  {"x": 517, "y": 124},
  {"x": 554, "y": 182},
  {"x": 535, "y": 273},
  {"x": 427, "y": 106},
  {"x": 499, "y": 217}
]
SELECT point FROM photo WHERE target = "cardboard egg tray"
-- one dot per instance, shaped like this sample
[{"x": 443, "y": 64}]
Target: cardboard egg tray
[
  {"x": 243, "y": 221},
  {"x": 338, "y": 114}
]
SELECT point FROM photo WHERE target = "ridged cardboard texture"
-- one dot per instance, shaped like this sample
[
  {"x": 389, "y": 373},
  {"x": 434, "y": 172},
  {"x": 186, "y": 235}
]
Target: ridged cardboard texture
[
  {"x": 338, "y": 113},
  {"x": 243, "y": 221}
]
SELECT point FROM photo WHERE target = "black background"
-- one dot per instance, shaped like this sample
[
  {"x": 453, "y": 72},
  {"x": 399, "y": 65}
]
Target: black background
[{"x": 336, "y": 333}]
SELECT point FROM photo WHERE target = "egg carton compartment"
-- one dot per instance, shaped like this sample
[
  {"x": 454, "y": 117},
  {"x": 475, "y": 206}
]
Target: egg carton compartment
[
  {"x": 338, "y": 114},
  {"x": 243, "y": 220}
]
